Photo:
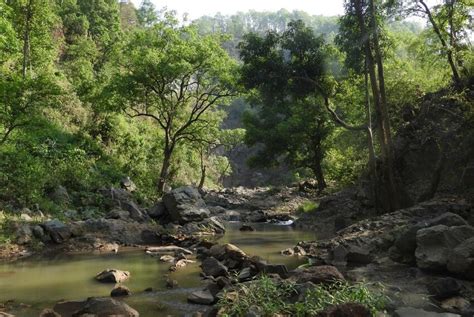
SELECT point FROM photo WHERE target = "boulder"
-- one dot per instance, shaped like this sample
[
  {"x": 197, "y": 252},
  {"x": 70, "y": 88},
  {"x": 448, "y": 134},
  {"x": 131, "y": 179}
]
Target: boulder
[
  {"x": 167, "y": 258},
  {"x": 185, "y": 204},
  {"x": 458, "y": 304},
  {"x": 434, "y": 245},
  {"x": 413, "y": 312},
  {"x": 444, "y": 288},
  {"x": 157, "y": 211},
  {"x": 48, "y": 313},
  {"x": 170, "y": 283},
  {"x": 247, "y": 228},
  {"x": 120, "y": 291},
  {"x": 214, "y": 268},
  {"x": 60, "y": 195},
  {"x": 26, "y": 217},
  {"x": 23, "y": 234},
  {"x": 127, "y": 184},
  {"x": 323, "y": 274},
  {"x": 134, "y": 211},
  {"x": 461, "y": 259},
  {"x": 406, "y": 244},
  {"x": 112, "y": 276},
  {"x": 57, "y": 230},
  {"x": 118, "y": 214},
  {"x": 279, "y": 269},
  {"x": 203, "y": 297},
  {"x": 38, "y": 232},
  {"x": 106, "y": 307},
  {"x": 359, "y": 255},
  {"x": 346, "y": 310}
]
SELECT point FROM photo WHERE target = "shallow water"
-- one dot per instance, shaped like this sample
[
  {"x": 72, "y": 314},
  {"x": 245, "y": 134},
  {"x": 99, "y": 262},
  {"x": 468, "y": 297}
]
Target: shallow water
[{"x": 41, "y": 282}]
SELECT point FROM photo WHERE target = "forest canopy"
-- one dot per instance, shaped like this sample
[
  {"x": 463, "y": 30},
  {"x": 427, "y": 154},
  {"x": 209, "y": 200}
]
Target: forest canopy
[{"x": 95, "y": 91}]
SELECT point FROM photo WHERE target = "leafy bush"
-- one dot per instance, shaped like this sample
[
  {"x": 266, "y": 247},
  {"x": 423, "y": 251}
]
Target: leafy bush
[
  {"x": 308, "y": 206},
  {"x": 272, "y": 297}
]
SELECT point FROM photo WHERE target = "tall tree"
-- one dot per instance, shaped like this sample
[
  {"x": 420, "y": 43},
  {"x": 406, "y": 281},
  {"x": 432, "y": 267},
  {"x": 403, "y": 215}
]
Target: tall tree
[
  {"x": 177, "y": 79},
  {"x": 290, "y": 120}
]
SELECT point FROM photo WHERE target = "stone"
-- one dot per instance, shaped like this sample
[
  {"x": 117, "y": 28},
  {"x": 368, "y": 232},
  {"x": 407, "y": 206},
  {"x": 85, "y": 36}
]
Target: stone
[
  {"x": 456, "y": 303},
  {"x": 26, "y": 217},
  {"x": 214, "y": 268},
  {"x": 120, "y": 291},
  {"x": 48, "y": 313},
  {"x": 112, "y": 276},
  {"x": 434, "y": 245},
  {"x": 170, "y": 283},
  {"x": 448, "y": 219},
  {"x": 359, "y": 255},
  {"x": 71, "y": 214},
  {"x": 279, "y": 269},
  {"x": 203, "y": 297},
  {"x": 444, "y": 288},
  {"x": 288, "y": 252},
  {"x": 323, "y": 274},
  {"x": 414, "y": 312},
  {"x": 185, "y": 204},
  {"x": 246, "y": 228},
  {"x": 157, "y": 211},
  {"x": 106, "y": 307},
  {"x": 167, "y": 258},
  {"x": 118, "y": 214},
  {"x": 57, "y": 230},
  {"x": 127, "y": 184},
  {"x": 38, "y": 232},
  {"x": 461, "y": 259},
  {"x": 60, "y": 195},
  {"x": 346, "y": 310},
  {"x": 23, "y": 235},
  {"x": 5, "y": 314},
  {"x": 134, "y": 211},
  {"x": 245, "y": 274}
]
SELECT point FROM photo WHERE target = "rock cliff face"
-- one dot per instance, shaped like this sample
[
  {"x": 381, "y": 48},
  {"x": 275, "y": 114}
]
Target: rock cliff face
[{"x": 434, "y": 147}]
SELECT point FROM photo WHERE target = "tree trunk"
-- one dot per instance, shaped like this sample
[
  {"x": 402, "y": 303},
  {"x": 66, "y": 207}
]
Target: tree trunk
[
  {"x": 383, "y": 133},
  {"x": 449, "y": 51},
  {"x": 26, "y": 38},
  {"x": 165, "y": 167},
  {"x": 318, "y": 173},
  {"x": 203, "y": 171}
]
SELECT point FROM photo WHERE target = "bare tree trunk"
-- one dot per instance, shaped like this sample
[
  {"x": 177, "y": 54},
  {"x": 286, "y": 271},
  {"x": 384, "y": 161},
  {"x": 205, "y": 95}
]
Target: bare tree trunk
[
  {"x": 203, "y": 171},
  {"x": 449, "y": 52},
  {"x": 165, "y": 167},
  {"x": 26, "y": 38},
  {"x": 384, "y": 136},
  {"x": 318, "y": 173}
]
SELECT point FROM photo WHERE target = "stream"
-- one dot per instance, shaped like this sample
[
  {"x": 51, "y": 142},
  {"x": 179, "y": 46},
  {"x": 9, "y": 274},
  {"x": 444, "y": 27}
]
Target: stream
[{"x": 40, "y": 282}]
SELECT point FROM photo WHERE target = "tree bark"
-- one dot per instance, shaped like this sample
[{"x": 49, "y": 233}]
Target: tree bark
[
  {"x": 165, "y": 167},
  {"x": 26, "y": 38},
  {"x": 203, "y": 171}
]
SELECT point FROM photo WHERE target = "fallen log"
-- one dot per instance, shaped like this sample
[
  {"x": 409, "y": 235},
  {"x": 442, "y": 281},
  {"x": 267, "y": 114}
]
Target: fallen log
[{"x": 167, "y": 249}]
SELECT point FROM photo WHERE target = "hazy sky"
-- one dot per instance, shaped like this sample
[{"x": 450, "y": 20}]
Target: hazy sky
[{"x": 197, "y": 8}]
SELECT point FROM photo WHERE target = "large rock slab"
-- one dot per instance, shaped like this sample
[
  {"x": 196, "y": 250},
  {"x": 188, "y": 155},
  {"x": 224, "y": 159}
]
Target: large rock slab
[
  {"x": 185, "y": 204},
  {"x": 434, "y": 245},
  {"x": 100, "y": 307},
  {"x": 323, "y": 274},
  {"x": 461, "y": 259},
  {"x": 212, "y": 267},
  {"x": 413, "y": 312},
  {"x": 112, "y": 276},
  {"x": 346, "y": 310},
  {"x": 57, "y": 230},
  {"x": 203, "y": 297}
]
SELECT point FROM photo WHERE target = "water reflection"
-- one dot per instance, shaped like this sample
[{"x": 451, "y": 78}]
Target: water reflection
[{"x": 41, "y": 282}]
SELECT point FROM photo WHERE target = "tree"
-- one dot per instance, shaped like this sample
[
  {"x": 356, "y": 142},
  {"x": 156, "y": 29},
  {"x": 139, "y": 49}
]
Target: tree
[
  {"x": 177, "y": 79},
  {"x": 146, "y": 14},
  {"x": 361, "y": 39},
  {"x": 290, "y": 120},
  {"x": 451, "y": 22}
]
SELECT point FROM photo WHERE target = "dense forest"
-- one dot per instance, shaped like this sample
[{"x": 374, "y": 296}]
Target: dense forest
[{"x": 116, "y": 119}]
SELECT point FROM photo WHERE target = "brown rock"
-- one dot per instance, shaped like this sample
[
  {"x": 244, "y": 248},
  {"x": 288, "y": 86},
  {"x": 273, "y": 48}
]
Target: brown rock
[
  {"x": 346, "y": 310},
  {"x": 317, "y": 274}
]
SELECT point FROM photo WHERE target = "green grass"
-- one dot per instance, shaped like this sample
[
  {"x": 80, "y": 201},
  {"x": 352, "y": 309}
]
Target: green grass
[
  {"x": 308, "y": 206},
  {"x": 273, "y": 297}
]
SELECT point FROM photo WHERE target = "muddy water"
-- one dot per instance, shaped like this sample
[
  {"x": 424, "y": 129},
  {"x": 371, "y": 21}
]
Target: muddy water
[{"x": 40, "y": 282}]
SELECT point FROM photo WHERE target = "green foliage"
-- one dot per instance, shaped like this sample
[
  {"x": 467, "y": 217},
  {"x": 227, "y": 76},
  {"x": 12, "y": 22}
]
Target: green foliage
[
  {"x": 274, "y": 297},
  {"x": 308, "y": 206}
]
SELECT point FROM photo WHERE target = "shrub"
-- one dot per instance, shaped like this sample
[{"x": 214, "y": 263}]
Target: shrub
[{"x": 274, "y": 297}]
